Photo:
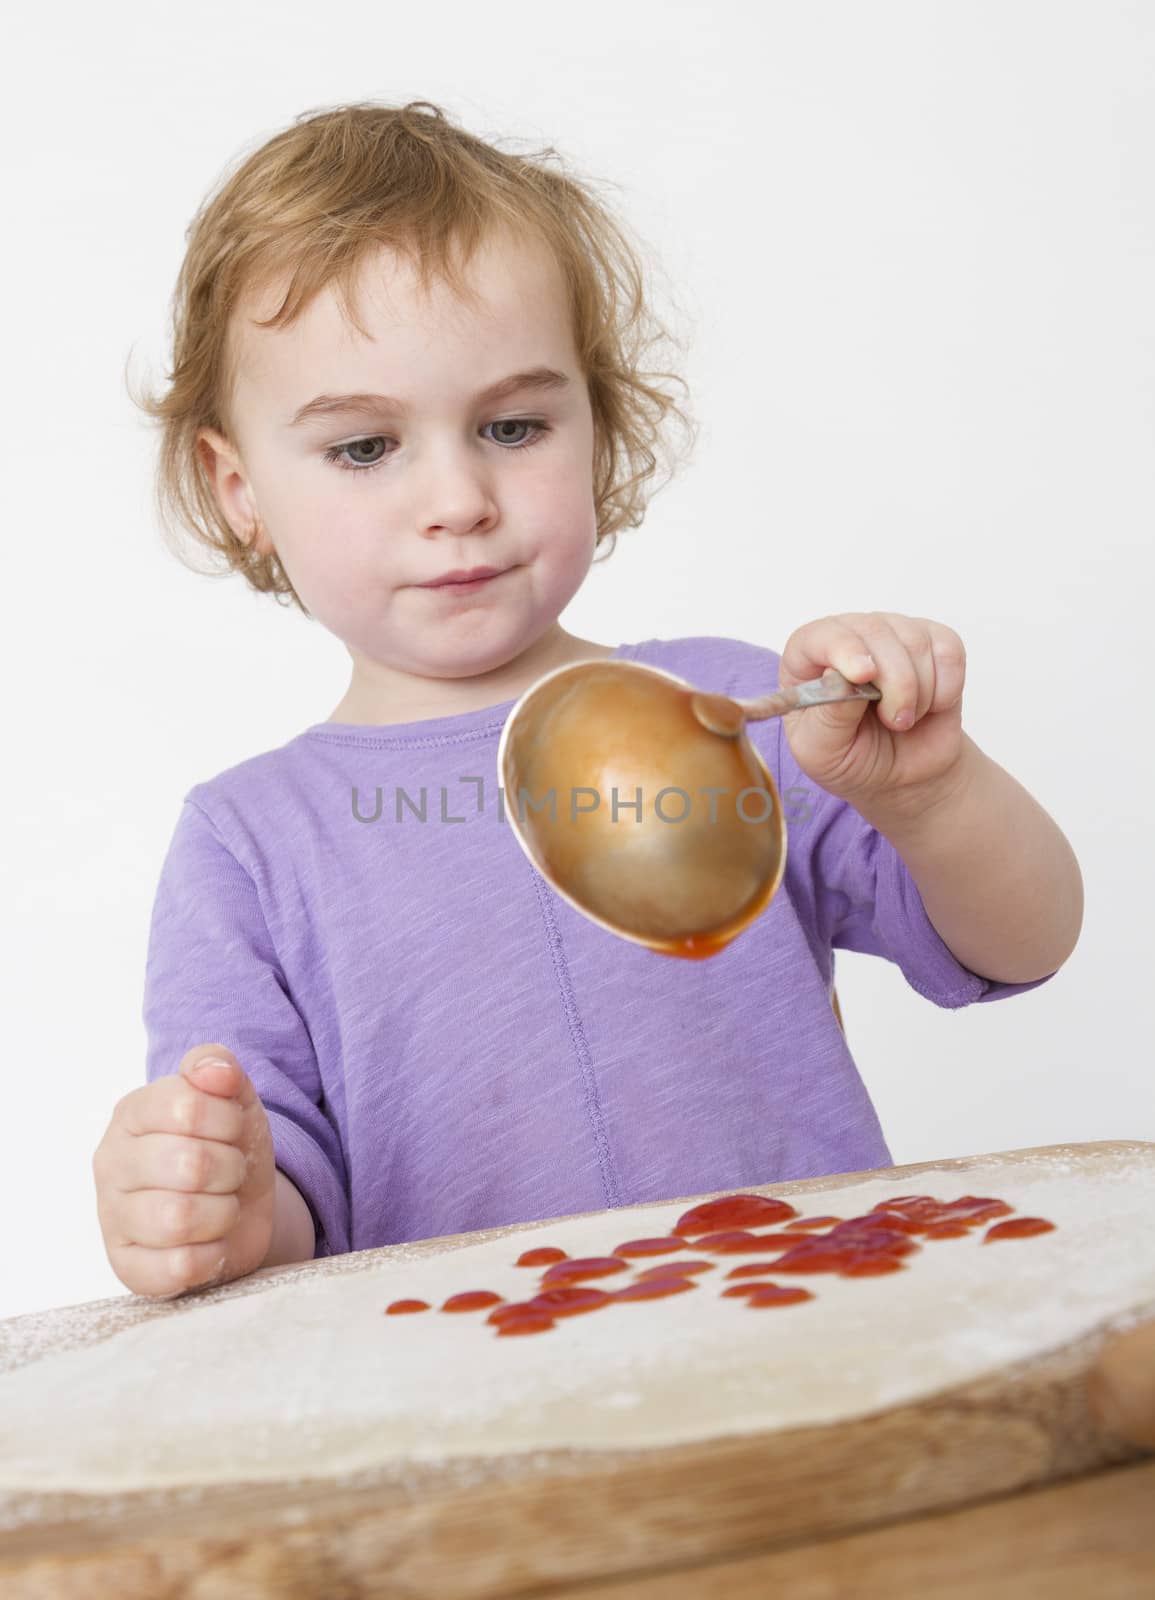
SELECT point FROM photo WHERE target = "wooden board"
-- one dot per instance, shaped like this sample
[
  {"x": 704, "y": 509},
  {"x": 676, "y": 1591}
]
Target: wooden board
[
  {"x": 1088, "y": 1536},
  {"x": 531, "y": 1524}
]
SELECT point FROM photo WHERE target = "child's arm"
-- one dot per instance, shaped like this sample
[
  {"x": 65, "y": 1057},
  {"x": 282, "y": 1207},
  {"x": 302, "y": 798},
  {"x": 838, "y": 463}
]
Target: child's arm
[
  {"x": 294, "y": 1237},
  {"x": 998, "y": 879},
  {"x": 213, "y": 972},
  {"x": 997, "y": 876}
]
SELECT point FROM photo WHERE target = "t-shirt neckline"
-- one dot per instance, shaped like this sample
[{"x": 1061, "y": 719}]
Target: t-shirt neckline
[{"x": 451, "y": 727}]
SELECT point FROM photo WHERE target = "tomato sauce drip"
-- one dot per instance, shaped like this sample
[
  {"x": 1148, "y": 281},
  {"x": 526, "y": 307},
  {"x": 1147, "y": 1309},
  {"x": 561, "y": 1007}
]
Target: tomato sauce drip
[
  {"x": 733, "y": 1211},
  {"x": 575, "y": 1271},
  {"x": 650, "y": 1247},
  {"x": 526, "y": 1324},
  {"x": 676, "y": 1269},
  {"x": 850, "y": 1250},
  {"x": 541, "y": 1257},
  {"x": 968, "y": 1208},
  {"x": 765, "y": 1242},
  {"x": 872, "y": 1245},
  {"x": 873, "y": 1267},
  {"x": 655, "y": 1288},
  {"x": 515, "y": 1311},
  {"x": 569, "y": 1300},
  {"x": 695, "y": 946},
  {"x": 735, "y": 1242},
  {"x": 774, "y": 1294},
  {"x": 471, "y": 1300},
  {"x": 1018, "y": 1228},
  {"x": 767, "y": 1294}
]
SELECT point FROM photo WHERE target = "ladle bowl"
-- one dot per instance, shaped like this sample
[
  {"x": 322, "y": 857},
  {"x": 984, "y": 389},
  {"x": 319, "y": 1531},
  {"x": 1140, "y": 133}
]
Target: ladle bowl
[{"x": 644, "y": 804}]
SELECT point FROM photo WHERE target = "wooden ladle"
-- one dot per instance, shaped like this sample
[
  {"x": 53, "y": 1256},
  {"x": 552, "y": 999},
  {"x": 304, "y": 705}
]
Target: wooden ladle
[{"x": 642, "y": 801}]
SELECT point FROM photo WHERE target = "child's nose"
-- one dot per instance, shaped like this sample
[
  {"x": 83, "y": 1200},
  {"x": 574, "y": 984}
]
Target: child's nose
[{"x": 456, "y": 491}]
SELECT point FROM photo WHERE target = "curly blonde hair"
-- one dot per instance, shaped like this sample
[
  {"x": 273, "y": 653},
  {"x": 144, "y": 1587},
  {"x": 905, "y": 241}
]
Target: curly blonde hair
[{"x": 324, "y": 194}]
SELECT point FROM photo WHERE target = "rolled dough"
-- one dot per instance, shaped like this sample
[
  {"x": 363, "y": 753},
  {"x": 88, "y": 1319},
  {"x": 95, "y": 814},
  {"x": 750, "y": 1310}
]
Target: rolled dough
[{"x": 308, "y": 1378}]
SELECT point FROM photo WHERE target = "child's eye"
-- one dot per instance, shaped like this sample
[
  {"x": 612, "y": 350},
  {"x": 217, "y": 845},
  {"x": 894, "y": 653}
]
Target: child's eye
[{"x": 538, "y": 433}]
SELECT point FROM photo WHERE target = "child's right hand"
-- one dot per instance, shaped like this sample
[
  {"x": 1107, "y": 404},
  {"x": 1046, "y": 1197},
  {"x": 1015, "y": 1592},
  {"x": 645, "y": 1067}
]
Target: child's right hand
[{"x": 185, "y": 1178}]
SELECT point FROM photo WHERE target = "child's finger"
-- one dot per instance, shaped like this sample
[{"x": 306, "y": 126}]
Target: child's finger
[
  {"x": 826, "y": 642},
  {"x": 215, "y": 1070},
  {"x": 904, "y": 695},
  {"x": 164, "y": 1219},
  {"x": 917, "y": 636},
  {"x": 190, "y": 1166},
  {"x": 173, "y": 1104},
  {"x": 163, "y": 1274},
  {"x": 950, "y": 666},
  {"x": 851, "y": 642}
]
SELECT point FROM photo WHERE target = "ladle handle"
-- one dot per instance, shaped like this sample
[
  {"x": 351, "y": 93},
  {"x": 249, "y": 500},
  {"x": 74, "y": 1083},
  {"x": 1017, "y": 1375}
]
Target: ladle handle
[
  {"x": 823, "y": 691},
  {"x": 723, "y": 715}
]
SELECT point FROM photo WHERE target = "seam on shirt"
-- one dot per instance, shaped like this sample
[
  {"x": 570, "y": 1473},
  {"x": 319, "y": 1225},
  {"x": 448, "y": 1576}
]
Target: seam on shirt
[
  {"x": 954, "y": 1001},
  {"x": 778, "y": 720},
  {"x": 431, "y": 742},
  {"x": 733, "y": 686},
  {"x": 610, "y": 1185},
  {"x": 215, "y": 829},
  {"x": 832, "y": 950}
]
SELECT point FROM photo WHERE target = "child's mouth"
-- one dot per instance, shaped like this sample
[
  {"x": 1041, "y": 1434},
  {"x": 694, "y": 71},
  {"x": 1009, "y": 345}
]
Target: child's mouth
[{"x": 463, "y": 585}]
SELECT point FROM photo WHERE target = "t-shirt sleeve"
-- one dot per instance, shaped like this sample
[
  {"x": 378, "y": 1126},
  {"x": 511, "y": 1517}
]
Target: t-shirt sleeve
[
  {"x": 212, "y": 976},
  {"x": 862, "y": 896}
]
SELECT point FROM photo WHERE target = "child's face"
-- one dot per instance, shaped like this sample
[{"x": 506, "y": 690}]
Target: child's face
[{"x": 460, "y": 484}]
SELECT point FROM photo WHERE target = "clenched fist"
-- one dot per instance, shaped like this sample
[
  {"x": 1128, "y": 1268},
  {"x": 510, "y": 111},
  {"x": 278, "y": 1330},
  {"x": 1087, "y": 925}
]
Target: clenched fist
[{"x": 186, "y": 1178}]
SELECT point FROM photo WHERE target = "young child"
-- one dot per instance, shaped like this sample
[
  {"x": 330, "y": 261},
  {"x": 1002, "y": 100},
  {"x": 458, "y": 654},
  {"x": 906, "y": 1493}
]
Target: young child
[{"x": 369, "y": 1019}]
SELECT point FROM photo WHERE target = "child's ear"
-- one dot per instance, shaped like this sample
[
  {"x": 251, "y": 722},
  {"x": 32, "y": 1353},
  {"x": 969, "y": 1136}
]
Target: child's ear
[
  {"x": 225, "y": 472},
  {"x": 214, "y": 451}
]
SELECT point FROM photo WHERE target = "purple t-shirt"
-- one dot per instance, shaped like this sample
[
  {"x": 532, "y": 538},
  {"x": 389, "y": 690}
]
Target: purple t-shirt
[{"x": 442, "y": 1043}]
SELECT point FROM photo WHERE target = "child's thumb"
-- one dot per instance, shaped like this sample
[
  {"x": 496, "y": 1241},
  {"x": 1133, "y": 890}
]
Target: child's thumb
[{"x": 214, "y": 1069}]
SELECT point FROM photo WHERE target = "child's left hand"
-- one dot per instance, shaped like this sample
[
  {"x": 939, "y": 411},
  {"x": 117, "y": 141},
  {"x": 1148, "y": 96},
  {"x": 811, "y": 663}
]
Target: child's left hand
[{"x": 879, "y": 754}]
